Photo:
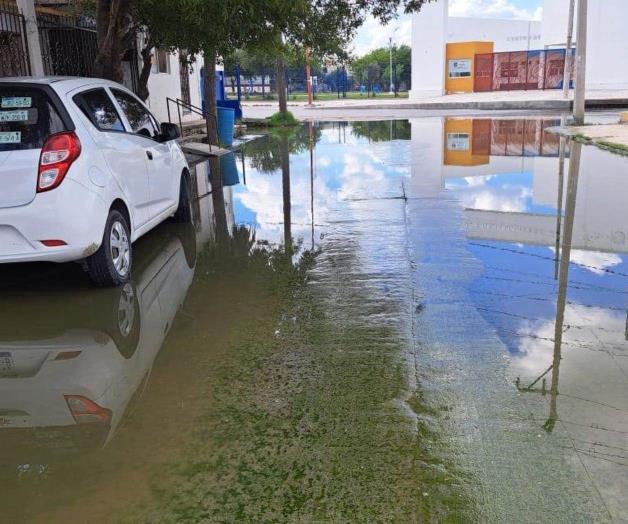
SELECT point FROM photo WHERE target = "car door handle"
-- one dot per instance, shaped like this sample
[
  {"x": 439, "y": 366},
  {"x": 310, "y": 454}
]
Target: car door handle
[{"x": 149, "y": 154}]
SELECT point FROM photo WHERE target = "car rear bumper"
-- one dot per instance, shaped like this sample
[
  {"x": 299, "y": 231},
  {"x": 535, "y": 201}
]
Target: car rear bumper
[{"x": 71, "y": 213}]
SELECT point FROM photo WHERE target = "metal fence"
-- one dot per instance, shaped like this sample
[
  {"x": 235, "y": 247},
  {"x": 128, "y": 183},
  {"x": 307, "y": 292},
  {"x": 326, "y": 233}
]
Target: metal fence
[
  {"x": 263, "y": 83},
  {"x": 515, "y": 137},
  {"x": 14, "y": 59},
  {"x": 521, "y": 70},
  {"x": 68, "y": 45}
]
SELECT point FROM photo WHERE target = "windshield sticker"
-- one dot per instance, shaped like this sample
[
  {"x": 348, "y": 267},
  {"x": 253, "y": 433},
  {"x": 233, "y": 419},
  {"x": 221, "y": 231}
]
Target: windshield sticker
[
  {"x": 12, "y": 102},
  {"x": 14, "y": 116},
  {"x": 10, "y": 137}
]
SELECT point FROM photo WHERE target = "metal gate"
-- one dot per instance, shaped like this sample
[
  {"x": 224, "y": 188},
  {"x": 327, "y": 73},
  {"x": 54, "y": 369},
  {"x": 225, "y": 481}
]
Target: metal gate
[
  {"x": 520, "y": 70},
  {"x": 14, "y": 60},
  {"x": 68, "y": 45},
  {"x": 184, "y": 81}
]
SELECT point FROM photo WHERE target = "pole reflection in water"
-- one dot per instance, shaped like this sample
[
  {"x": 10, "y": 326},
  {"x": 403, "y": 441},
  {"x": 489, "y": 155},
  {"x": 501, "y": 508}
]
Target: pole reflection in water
[
  {"x": 218, "y": 200},
  {"x": 284, "y": 148},
  {"x": 311, "y": 147},
  {"x": 563, "y": 278},
  {"x": 559, "y": 201}
]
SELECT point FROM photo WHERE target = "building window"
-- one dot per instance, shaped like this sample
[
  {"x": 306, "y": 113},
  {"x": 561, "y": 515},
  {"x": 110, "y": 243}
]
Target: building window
[
  {"x": 457, "y": 141},
  {"x": 459, "y": 68},
  {"x": 161, "y": 60}
]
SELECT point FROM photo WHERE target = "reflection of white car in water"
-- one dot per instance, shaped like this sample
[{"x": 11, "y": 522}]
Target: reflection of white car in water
[{"x": 65, "y": 382}]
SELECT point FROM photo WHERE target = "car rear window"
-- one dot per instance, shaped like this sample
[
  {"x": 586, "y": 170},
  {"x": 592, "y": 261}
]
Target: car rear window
[{"x": 27, "y": 118}]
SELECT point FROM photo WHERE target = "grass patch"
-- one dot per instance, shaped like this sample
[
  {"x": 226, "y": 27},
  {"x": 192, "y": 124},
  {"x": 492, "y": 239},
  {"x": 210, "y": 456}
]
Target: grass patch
[
  {"x": 304, "y": 424},
  {"x": 620, "y": 149},
  {"x": 282, "y": 120},
  {"x": 321, "y": 97}
]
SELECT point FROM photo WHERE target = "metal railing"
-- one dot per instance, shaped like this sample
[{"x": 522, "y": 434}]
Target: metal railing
[
  {"x": 181, "y": 104},
  {"x": 14, "y": 59}
]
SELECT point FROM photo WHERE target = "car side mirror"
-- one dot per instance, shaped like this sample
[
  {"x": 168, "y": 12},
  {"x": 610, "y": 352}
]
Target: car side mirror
[{"x": 169, "y": 132}]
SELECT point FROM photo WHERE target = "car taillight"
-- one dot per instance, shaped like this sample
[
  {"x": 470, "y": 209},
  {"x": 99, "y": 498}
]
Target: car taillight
[
  {"x": 57, "y": 155},
  {"x": 85, "y": 411}
]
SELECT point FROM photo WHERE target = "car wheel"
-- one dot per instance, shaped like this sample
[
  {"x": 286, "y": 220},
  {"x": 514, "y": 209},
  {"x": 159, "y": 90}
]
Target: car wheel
[
  {"x": 111, "y": 264},
  {"x": 125, "y": 321},
  {"x": 184, "y": 211}
]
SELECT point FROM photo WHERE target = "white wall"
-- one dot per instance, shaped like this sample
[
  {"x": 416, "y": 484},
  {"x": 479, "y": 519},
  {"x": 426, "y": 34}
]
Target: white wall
[
  {"x": 429, "y": 28},
  {"x": 162, "y": 85},
  {"x": 507, "y": 35},
  {"x": 607, "y": 39}
]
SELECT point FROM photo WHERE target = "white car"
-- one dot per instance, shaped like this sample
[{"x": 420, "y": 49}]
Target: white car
[{"x": 85, "y": 170}]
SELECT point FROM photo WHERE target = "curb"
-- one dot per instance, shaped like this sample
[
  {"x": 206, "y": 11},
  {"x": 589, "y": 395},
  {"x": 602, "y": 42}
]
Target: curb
[{"x": 491, "y": 105}]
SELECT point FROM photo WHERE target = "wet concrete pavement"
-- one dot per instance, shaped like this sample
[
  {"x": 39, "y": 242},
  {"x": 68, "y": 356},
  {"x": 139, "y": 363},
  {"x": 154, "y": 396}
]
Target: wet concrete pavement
[{"x": 349, "y": 331}]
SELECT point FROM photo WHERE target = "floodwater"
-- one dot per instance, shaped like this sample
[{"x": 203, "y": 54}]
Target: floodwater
[{"x": 400, "y": 320}]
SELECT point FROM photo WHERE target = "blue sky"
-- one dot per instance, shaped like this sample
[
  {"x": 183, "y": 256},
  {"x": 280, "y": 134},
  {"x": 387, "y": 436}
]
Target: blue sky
[{"x": 373, "y": 35}]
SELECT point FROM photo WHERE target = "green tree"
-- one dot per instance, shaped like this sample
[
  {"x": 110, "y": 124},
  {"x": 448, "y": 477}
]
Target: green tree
[
  {"x": 382, "y": 131},
  {"x": 215, "y": 27},
  {"x": 401, "y": 55},
  {"x": 324, "y": 27}
]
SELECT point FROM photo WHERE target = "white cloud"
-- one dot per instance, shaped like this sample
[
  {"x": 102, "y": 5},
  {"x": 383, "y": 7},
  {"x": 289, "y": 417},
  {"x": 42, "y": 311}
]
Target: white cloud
[
  {"x": 373, "y": 34},
  {"x": 476, "y": 195},
  {"x": 594, "y": 328},
  {"x": 594, "y": 261}
]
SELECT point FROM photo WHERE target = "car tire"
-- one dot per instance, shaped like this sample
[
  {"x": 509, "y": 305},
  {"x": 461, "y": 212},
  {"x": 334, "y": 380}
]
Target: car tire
[
  {"x": 111, "y": 264},
  {"x": 125, "y": 323},
  {"x": 183, "y": 214}
]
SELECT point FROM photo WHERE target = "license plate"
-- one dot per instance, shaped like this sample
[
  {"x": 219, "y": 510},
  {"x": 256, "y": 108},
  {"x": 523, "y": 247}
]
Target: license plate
[
  {"x": 16, "y": 101},
  {"x": 7, "y": 366},
  {"x": 10, "y": 137},
  {"x": 19, "y": 115}
]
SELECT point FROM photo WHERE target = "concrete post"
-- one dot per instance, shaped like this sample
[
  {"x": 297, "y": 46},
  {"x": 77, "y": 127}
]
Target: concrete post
[
  {"x": 581, "y": 63},
  {"x": 567, "y": 68},
  {"x": 32, "y": 36}
]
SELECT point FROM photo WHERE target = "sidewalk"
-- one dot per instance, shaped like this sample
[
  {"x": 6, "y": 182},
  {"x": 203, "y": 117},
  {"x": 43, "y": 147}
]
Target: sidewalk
[
  {"x": 612, "y": 137},
  {"x": 550, "y": 100}
]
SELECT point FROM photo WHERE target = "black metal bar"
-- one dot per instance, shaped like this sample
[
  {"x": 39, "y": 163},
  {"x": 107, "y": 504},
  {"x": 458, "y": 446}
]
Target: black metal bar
[
  {"x": 14, "y": 56},
  {"x": 179, "y": 113}
]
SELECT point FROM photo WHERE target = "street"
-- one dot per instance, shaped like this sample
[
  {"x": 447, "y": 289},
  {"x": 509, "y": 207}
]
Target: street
[{"x": 351, "y": 329}]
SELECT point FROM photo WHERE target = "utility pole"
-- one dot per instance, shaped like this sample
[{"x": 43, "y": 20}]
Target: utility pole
[
  {"x": 581, "y": 63},
  {"x": 567, "y": 67},
  {"x": 392, "y": 86},
  {"x": 27, "y": 8},
  {"x": 308, "y": 77}
]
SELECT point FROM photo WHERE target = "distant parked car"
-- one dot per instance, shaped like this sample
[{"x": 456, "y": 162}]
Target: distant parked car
[{"x": 85, "y": 170}]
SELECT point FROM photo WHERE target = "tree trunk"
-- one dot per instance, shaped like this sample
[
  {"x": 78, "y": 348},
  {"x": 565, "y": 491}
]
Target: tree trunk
[
  {"x": 112, "y": 26},
  {"x": 281, "y": 86},
  {"x": 210, "y": 96},
  {"x": 218, "y": 201},
  {"x": 142, "y": 87}
]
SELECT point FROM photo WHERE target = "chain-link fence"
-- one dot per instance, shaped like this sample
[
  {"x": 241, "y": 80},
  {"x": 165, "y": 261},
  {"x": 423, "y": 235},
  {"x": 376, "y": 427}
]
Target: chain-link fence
[{"x": 262, "y": 85}]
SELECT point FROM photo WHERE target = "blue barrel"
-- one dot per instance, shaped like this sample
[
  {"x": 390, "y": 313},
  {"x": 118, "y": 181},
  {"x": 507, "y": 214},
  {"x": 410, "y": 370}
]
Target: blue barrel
[
  {"x": 229, "y": 169},
  {"x": 226, "y": 123}
]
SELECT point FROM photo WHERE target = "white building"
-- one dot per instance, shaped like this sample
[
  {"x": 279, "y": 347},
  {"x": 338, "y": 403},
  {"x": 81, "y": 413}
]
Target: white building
[
  {"x": 444, "y": 49},
  {"x": 171, "y": 79}
]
